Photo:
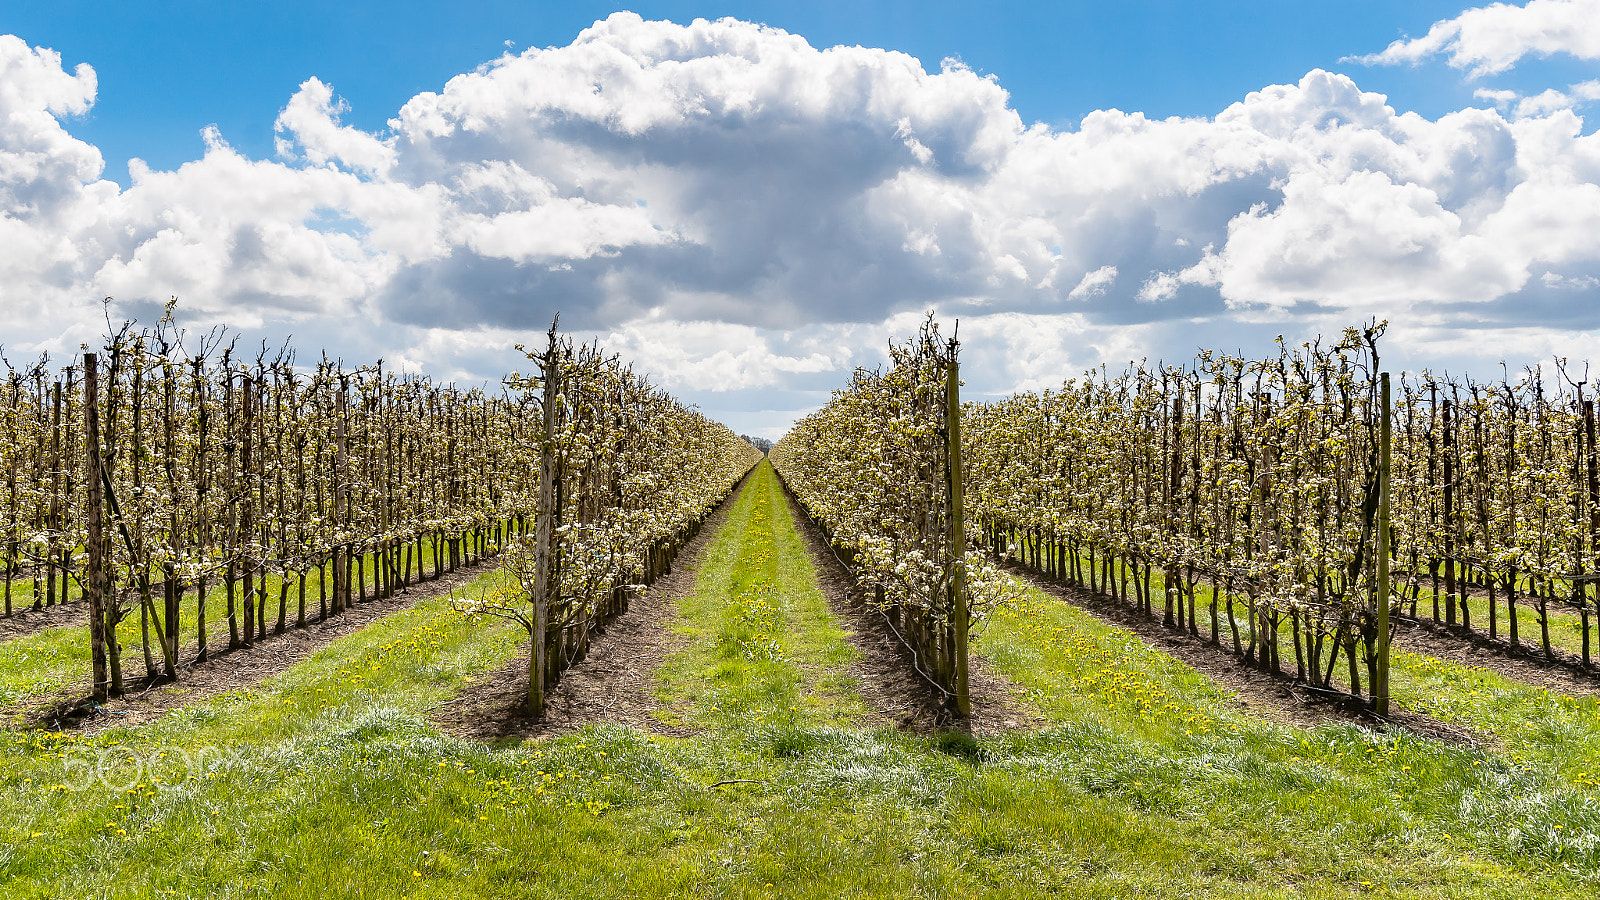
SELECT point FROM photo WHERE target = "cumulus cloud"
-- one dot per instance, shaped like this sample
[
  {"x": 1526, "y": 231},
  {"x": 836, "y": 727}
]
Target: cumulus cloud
[
  {"x": 741, "y": 211},
  {"x": 1494, "y": 38},
  {"x": 1551, "y": 100},
  {"x": 1093, "y": 284},
  {"x": 1543, "y": 103},
  {"x": 1499, "y": 97},
  {"x": 48, "y": 184},
  {"x": 1160, "y": 286},
  {"x": 1576, "y": 282},
  {"x": 719, "y": 356},
  {"x": 311, "y": 121}
]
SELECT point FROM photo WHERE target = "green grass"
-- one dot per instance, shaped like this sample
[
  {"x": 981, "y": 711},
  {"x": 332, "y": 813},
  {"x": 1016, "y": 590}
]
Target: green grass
[
  {"x": 1478, "y": 820},
  {"x": 42, "y": 663},
  {"x": 51, "y": 660},
  {"x": 22, "y": 592},
  {"x": 69, "y": 590},
  {"x": 1537, "y": 730},
  {"x": 764, "y": 650},
  {"x": 330, "y": 781},
  {"x": 1566, "y": 623}
]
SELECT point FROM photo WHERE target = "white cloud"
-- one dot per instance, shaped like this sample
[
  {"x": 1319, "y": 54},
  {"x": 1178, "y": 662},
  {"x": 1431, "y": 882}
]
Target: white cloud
[
  {"x": 1552, "y": 100},
  {"x": 1494, "y": 38},
  {"x": 740, "y": 211},
  {"x": 1355, "y": 240},
  {"x": 312, "y": 121},
  {"x": 717, "y": 356},
  {"x": 1094, "y": 283},
  {"x": 1576, "y": 282},
  {"x": 48, "y": 192},
  {"x": 1160, "y": 286},
  {"x": 1497, "y": 97},
  {"x": 1542, "y": 104}
]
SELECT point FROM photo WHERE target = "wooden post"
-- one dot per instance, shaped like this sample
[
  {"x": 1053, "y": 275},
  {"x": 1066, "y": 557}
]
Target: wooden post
[
  {"x": 12, "y": 549},
  {"x": 247, "y": 521},
  {"x": 341, "y": 499},
  {"x": 173, "y": 591},
  {"x": 95, "y": 583},
  {"x": 1169, "y": 571},
  {"x": 50, "y": 596},
  {"x": 204, "y": 513},
  {"x": 1380, "y": 678},
  {"x": 1454, "y": 593},
  {"x": 543, "y": 527},
  {"x": 958, "y": 533},
  {"x": 1592, "y": 466}
]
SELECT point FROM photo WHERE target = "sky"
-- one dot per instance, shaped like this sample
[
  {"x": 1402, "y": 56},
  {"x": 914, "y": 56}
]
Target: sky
[{"x": 751, "y": 199}]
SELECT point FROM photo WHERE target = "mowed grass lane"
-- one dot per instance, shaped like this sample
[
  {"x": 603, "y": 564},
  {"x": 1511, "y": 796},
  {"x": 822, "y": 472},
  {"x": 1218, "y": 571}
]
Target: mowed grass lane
[{"x": 764, "y": 651}]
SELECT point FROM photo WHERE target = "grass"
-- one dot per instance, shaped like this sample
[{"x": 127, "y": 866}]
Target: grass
[
  {"x": 1537, "y": 729},
  {"x": 1566, "y": 623},
  {"x": 330, "y": 781},
  {"x": 1407, "y": 803},
  {"x": 70, "y": 590},
  {"x": 44, "y": 662},
  {"x": 52, "y": 660},
  {"x": 763, "y": 648},
  {"x": 22, "y": 592}
]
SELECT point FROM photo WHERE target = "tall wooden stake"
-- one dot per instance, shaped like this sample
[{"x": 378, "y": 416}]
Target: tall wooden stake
[
  {"x": 1592, "y": 460},
  {"x": 958, "y": 532},
  {"x": 543, "y": 527},
  {"x": 1454, "y": 593},
  {"x": 95, "y": 584},
  {"x": 1380, "y": 680},
  {"x": 341, "y": 496}
]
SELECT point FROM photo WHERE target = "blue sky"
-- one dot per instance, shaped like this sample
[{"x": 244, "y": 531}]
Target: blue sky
[
  {"x": 750, "y": 213},
  {"x": 168, "y": 69}
]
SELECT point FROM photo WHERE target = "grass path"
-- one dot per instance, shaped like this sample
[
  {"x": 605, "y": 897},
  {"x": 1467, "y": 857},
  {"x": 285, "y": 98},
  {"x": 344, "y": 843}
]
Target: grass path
[
  {"x": 763, "y": 647},
  {"x": 329, "y": 781}
]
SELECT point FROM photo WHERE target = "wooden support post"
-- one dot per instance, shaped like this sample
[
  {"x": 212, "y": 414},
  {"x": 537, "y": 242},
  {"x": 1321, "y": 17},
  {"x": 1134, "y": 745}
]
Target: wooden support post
[
  {"x": 958, "y": 534},
  {"x": 544, "y": 527},
  {"x": 1454, "y": 593},
  {"x": 341, "y": 497},
  {"x": 1592, "y": 471},
  {"x": 95, "y": 582},
  {"x": 247, "y": 522},
  {"x": 1380, "y": 676}
]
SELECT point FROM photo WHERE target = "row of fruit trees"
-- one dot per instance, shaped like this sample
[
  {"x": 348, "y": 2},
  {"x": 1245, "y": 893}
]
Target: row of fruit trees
[
  {"x": 1290, "y": 509},
  {"x": 175, "y": 477},
  {"x": 1293, "y": 509}
]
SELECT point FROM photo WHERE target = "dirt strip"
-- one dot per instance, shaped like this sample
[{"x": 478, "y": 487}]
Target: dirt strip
[
  {"x": 888, "y": 680},
  {"x": 1563, "y": 676},
  {"x": 1564, "y": 671},
  {"x": 1272, "y": 697},
  {"x": 614, "y": 682},
  {"x": 228, "y": 670},
  {"x": 26, "y": 620}
]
